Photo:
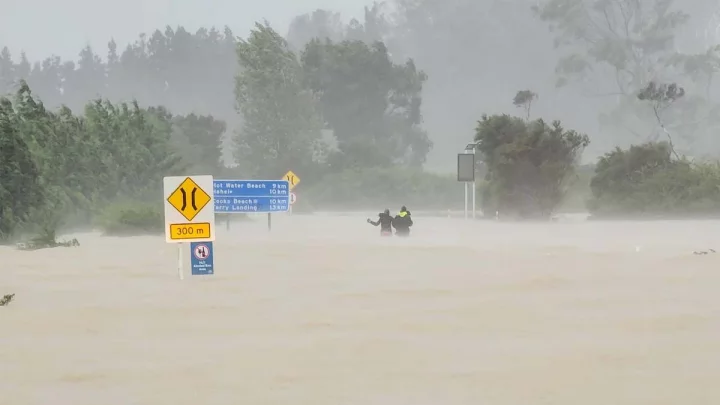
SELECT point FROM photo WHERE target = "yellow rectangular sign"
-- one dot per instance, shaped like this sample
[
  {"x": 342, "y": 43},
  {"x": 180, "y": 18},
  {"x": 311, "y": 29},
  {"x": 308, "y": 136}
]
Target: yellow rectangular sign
[{"x": 190, "y": 231}]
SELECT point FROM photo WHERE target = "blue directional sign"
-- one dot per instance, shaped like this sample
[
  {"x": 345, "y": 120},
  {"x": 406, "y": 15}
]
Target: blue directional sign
[
  {"x": 246, "y": 196},
  {"x": 201, "y": 258}
]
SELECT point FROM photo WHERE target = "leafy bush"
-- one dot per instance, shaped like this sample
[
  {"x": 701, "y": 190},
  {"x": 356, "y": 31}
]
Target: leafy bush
[
  {"x": 529, "y": 164},
  {"x": 132, "y": 219},
  {"x": 60, "y": 166},
  {"x": 645, "y": 181}
]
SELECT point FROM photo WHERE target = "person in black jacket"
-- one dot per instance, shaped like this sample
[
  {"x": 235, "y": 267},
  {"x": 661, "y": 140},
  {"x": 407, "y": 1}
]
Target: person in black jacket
[
  {"x": 385, "y": 221},
  {"x": 402, "y": 222}
]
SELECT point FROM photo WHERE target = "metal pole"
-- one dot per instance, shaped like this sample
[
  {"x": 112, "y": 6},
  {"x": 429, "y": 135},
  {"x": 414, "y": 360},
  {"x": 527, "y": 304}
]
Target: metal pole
[
  {"x": 474, "y": 191},
  {"x": 466, "y": 199},
  {"x": 473, "y": 186},
  {"x": 269, "y": 222},
  {"x": 180, "y": 261},
  {"x": 466, "y": 193}
]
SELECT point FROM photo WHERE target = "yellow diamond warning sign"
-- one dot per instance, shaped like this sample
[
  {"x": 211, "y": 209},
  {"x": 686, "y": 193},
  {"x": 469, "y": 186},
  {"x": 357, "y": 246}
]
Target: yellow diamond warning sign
[
  {"x": 189, "y": 199},
  {"x": 189, "y": 208},
  {"x": 292, "y": 179}
]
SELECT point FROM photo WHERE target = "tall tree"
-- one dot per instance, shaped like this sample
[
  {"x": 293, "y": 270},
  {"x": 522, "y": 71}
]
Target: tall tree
[
  {"x": 371, "y": 105},
  {"x": 281, "y": 128},
  {"x": 20, "y": 191},
  {"x": 183, "y": 71},
  {"x": 7, "y": 71}
]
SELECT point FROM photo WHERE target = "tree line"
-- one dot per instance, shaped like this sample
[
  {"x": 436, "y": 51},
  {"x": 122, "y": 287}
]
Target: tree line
[
  {"x": 57, "y": 165},
  {"x": 464, "y": 46},
  {"x": 331, "y": 108},
  {"x": 341, "y": 110},
  {"x": 185, "y": 72}
]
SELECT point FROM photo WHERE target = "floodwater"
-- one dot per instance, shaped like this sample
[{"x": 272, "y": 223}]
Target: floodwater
[{"x": 322, "y": 311}]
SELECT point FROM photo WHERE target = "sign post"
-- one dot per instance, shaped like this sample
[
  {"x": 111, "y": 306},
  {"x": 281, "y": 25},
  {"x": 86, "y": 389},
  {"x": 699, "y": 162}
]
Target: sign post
[
  {"x": 201, "y": 258},
  {"x": 466, "y": 174},
  {"x": 252, "y": 196},
  {"x": 189, "y": 211},
  {"x": 293, "y": 180}
]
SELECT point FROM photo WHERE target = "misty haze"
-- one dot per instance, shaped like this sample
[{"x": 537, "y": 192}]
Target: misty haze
[{"x": 579, "y": 269}]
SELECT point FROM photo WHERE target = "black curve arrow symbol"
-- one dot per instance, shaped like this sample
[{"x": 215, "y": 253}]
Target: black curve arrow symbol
[
  {"x": 192, "y": 198},
  {"x": 182, "y": 190}
]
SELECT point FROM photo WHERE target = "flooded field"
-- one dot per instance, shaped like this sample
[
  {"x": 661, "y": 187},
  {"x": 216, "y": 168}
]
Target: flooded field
[{"x": 321, "y": 311}]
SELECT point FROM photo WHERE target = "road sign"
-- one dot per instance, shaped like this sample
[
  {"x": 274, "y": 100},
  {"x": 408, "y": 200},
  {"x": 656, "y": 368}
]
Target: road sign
[
  {"x": 189, "y": 199},
  {"x": 246, "y": 196},
  {"x": 292, "y": 179},
  {"x": 189, "y": 211},
  {"x": 293, "y": 198},
  {"x": 201, "y": 258},
  {"x": 466, "y": 167}
]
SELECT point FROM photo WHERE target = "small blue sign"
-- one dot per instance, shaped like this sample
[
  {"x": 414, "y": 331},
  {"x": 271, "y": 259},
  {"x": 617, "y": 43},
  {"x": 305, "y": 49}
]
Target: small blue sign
[
  {"x": 201, "y": 258},
  {"x": 246, "y": 196}
]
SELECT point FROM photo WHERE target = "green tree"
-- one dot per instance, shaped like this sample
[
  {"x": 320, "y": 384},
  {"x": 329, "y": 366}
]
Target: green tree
[
  {"x": 7, "y": 71},
  {"x": 20, "y": 191},
  {"x": 281, "y": 127},
  {"x": 372, "y": 106},
  {"x": 529, "y": 164},
  {"x": 524, "y": 99},
  {"x": 660, "y": 97},
  {"x": 183, "y": 71},
  {"x": 39, "y": 128},
  {"x": 139, "y": 152}
]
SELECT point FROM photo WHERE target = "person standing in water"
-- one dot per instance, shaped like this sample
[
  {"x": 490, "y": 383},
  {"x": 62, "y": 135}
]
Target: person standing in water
[
  {"x": 402, "y": 222},
  {"x": 384, "y": 221}
]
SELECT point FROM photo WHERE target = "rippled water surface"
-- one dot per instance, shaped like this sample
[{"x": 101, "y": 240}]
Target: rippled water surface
[{"x": 323, "y": 311}]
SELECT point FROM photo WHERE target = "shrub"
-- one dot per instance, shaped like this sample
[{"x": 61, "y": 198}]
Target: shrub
[
  {"x": 645, "y": 181},
  {"x": 530, "y": 165}
]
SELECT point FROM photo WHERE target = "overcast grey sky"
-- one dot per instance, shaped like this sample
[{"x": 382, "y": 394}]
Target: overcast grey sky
[{"x": 44, "y": 27}]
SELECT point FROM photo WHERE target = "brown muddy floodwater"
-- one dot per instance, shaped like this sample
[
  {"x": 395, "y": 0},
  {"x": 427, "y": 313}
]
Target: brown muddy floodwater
[{"x": 324, "y": 312}]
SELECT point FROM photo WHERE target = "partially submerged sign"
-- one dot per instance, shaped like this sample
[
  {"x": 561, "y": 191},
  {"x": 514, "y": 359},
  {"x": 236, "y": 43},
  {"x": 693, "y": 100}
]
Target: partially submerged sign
[
  {"x": 251, "y": 196},
  {"x": 189, "y": 211},
  {"x": 201, "y": 258}
]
